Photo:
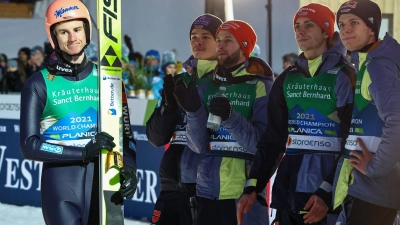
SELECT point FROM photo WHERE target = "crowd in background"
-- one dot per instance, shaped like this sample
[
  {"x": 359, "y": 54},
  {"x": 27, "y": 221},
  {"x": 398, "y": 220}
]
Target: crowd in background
[
  {"x": 143, "y": 74},
  {"x": 15, "y": 71}
]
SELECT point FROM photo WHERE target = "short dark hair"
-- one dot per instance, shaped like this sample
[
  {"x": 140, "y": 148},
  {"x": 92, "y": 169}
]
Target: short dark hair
[
  {"x": 291, "y": 57},
  {"x": 3, "y": 57}
]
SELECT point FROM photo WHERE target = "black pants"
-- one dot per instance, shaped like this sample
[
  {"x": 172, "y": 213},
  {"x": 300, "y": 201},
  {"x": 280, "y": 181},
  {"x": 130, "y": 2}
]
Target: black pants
[
  {"x": 172, "y": 208},
  {"x": 215, "y": 212},
  {"x": 94, "y": 214},
  {"x": 285, "y": 217},
  {"x": 357, "y": 211}
]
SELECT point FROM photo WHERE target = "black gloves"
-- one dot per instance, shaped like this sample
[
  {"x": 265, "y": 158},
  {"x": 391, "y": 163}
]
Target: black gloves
[
  {"x": 168, "y": 94},
  {"x": 102, "y": 140},
  {"x": 187, "y": 97},
  {"x": 128, "y": 181},
  {"x": 221, "y": 106}
]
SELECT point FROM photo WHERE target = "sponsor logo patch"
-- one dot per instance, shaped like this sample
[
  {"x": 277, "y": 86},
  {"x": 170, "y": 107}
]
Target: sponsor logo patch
[{"x": 51, "y": 148}]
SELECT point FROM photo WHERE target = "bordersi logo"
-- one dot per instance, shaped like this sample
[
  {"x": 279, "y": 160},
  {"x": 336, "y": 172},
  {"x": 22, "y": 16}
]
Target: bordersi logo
[{"x": 60, "y": 12}]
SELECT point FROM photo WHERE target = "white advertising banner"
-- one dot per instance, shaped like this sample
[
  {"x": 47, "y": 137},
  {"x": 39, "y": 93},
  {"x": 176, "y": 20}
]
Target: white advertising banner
[{"x": 10, "y": 106}]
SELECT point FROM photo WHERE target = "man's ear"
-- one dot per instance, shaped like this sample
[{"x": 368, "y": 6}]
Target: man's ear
[
  {"x": 325, "y": 34},
  {"x": 372, "y": 33},
  {"x": 333, "y": 40}
]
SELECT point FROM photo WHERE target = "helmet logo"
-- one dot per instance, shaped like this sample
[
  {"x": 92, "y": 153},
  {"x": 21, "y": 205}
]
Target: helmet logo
[{"x": 59, "y": 13}]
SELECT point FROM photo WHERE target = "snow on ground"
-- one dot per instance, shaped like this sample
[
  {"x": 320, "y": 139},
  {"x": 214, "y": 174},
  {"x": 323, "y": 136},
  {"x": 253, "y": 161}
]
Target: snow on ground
[{"x": 24, "y": 215}]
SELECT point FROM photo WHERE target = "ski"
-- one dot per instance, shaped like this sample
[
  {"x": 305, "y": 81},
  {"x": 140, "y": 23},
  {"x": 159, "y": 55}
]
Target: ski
[{"x": 110, "y": 109}]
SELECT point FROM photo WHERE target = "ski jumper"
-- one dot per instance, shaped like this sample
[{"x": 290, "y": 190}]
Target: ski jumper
[
  {"x": 178, "y": 167},
  {"x": 375, "y": 121},
  {"x": 58, "y": 118},
  {"x": 222, "y": 172},
  {"x": 309, "y": 115}
]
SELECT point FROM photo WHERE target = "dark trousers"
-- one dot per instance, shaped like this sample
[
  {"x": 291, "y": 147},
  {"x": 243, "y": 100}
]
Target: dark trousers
[
  {"x": 172, "y": 208},
  {"x": 285, "y": 217},
  {"x": 215, "y": 212},
  {"x": 356, "y": 211}
]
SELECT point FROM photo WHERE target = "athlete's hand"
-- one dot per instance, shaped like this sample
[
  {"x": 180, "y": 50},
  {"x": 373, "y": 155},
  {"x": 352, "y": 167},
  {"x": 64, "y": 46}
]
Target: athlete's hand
[
  {"x": 360, "y": 160},
  {"x": 221, "y": 106},
  {"x": 317, "y": 210},
  {"x": 128, "y": 181},
  {"x": 168, "y": 94},
  {"x": 100, "y": 141},
  {"x": 244, "y": 205},
  {"x": 188, "y": 98}
]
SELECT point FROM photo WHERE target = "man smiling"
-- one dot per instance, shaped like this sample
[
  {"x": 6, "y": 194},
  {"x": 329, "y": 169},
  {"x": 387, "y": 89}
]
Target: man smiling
[
  {"x": 167, "y": 124},
  {"x": 368, "y": 175},
  {"x": 309, "y": 113},
  {"x": 59, "y": 106},
  {"x": 222, "y": 174}
]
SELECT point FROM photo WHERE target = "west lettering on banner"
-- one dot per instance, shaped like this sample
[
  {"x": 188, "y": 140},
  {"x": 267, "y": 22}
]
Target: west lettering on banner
[
  {"x": 20, "y": 174},
  {"x": 2, "y": 153},
  {"x": 150, "y": 192}
]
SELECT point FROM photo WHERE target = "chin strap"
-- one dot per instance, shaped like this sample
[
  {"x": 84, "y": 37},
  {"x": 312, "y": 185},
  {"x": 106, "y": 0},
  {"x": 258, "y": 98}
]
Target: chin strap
[
  {"x": 68, "y": 56},
  {"x": 57, "y": 65}
]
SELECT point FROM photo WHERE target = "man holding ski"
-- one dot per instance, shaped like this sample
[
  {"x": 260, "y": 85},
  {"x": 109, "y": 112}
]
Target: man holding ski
[{"x": 58, "y": 120}]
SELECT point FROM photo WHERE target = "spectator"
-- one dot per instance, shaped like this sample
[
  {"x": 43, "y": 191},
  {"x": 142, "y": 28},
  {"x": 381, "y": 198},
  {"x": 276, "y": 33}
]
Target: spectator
[
  {"x": 168, "y": 65},
  {"x": 288, "y": 60},
  {"x": 24, "y": 54},
  {"x": 152, "y": 68},
  {"x": 15, "y": 77},
  {"x": 136, "y": 56},
  {"x": 152, "y": 62},
  {"x": 3, "y": 64},
  {"x": 36, "y": 60},
  {"x": 128, "y": 71}
]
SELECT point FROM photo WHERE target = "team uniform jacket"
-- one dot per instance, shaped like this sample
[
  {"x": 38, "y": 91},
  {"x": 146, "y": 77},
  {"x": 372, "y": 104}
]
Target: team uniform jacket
[
  {"x": 379, "y": 87},
  {"x": 303, "y": 172},
  {"x": 221, "y": 176},
  {"x": 179, "y": 164}
]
